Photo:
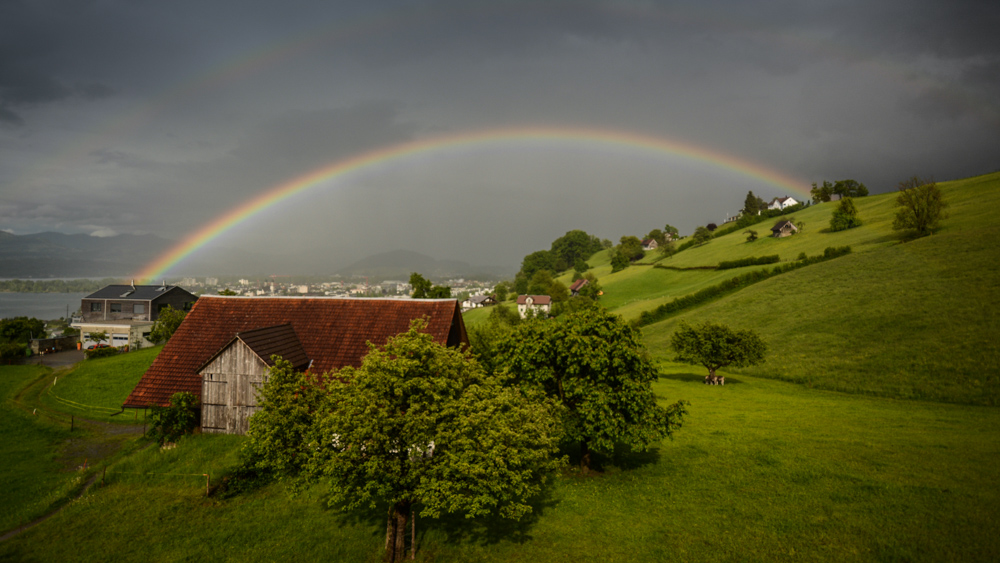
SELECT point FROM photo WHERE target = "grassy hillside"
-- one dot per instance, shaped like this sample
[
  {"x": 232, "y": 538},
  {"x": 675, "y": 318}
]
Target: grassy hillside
[{"x": 913, "y": 320}]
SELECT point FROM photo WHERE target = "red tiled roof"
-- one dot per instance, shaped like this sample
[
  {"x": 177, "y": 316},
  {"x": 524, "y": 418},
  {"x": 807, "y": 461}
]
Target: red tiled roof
[
  {"x": 537, "y": 299},
  {"x": 333, "y": 333},
  {"x": 578, "y": 284}
]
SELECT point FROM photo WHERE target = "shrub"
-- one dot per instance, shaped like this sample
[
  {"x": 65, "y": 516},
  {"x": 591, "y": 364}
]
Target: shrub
[
  {"x": 181, "y": 417},
  {"x": 101, "y": 352},
  {"x": 11, "y": 350}
]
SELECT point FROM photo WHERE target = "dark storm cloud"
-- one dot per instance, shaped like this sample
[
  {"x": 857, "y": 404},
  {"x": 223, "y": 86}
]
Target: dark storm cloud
[{"x": 124, "y": 116}]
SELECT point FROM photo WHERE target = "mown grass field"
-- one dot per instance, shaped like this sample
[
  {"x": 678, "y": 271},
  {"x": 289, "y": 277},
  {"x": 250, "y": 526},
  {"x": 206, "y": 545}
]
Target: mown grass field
[
  {"x": 97, "y": 388},
  {"x": 33, "y": 476},
  {"x": 762, "y": 471}
]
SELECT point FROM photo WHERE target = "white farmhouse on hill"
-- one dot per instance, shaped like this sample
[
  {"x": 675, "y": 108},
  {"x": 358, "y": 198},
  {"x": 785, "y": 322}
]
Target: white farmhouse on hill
[
  {"x": 781, "y": 203},
  {"x": 539, "y": 304}
]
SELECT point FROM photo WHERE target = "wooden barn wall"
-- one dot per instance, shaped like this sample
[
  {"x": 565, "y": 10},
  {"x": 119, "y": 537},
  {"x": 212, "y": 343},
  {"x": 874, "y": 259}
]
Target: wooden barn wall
[{"x": 229, "y": 390}]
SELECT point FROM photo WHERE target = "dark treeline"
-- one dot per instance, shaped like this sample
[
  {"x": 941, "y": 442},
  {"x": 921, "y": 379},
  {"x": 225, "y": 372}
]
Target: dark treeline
[{"x": 54, "y": 286}]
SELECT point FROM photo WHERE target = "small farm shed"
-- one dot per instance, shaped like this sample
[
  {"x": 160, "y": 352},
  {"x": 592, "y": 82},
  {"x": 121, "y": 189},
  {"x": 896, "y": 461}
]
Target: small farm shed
[
  {"x": 230, "y": 379},
  {"x": 783, "y": 229},
  {"x": 232, "y": 339}
]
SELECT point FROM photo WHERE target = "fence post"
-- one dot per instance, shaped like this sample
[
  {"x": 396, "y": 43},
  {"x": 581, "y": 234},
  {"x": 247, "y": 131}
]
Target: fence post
[
  {"x": 208, "y": 482},
  {"x": 72, "y": 422}
]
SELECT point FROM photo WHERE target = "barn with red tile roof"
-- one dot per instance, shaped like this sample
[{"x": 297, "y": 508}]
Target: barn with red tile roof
[{"x": 330, "y": 332}]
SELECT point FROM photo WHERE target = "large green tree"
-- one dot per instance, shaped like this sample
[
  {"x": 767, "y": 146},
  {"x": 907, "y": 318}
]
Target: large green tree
[
  {"x": 418, "y": 427},
  {"x": 539, "y": 260},
  {"x": 595, "y": 366},
  {"x": 751, "y": 205},
  {"x": 619, "y": 260},
  {"x": 920, "y": 207},
  {"x": 573, "y": 246},
  {"x": 717, "y": 346},
  {"x": 631, "y": 247},
  {"x": 167, "y": 322}
]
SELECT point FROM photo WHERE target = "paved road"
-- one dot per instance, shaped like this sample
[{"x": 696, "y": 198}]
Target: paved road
[{"x": 59, "y": 359}]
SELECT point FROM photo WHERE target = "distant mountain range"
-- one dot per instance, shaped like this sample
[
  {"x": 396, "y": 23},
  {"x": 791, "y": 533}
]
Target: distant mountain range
[{"x": 58, "y": 255}]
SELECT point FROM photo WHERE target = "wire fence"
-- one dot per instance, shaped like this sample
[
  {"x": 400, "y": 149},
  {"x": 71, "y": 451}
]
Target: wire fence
[{"x": 208, "y": 478}]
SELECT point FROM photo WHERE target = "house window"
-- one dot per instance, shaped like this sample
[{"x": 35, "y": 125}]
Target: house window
[
  {"x": 95, "y": 307},
  {"x": 139, "y": 308},
  {"x": 116, "y": 307}
]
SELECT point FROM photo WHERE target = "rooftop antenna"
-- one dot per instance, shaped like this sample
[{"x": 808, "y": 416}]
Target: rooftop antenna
[{"x": 133, "y": 284}]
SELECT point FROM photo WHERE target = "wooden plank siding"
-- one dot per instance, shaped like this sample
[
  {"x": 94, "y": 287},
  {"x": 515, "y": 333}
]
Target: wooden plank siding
[{"x": 229, "y": 389}]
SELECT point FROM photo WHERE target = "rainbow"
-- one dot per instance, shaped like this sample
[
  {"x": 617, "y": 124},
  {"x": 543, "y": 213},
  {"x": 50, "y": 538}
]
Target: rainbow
[{"x": 606, "y": 139}]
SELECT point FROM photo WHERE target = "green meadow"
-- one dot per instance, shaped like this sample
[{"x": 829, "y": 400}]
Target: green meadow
[
  {"x": 763, "y": 470},
  {"x": 97, "y": 388},
  {"x": 871, "y": 432},
  {"x": 34, "y": 476}
]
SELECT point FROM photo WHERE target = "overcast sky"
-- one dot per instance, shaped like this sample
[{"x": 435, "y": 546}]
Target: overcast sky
[{"x": 157, "y": 117}]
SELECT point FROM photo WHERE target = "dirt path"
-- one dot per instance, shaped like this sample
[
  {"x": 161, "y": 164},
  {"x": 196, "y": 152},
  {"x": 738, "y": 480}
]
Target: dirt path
[{"x": 40, "y": 519}]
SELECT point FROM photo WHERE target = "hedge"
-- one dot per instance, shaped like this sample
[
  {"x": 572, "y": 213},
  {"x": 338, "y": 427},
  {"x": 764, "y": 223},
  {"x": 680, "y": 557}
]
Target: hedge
[
  {"x": 733, "y": 285},
  {"x": 751, "y": 261}
]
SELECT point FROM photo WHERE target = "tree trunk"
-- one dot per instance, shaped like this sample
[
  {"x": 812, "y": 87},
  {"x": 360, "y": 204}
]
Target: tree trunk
[
  {"x": 395, "y": 549},
  {"x": 584, "y": 456}
]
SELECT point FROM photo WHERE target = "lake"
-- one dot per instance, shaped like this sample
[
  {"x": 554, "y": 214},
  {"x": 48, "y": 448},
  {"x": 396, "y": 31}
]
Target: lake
[{"x": 44, "y": 306}]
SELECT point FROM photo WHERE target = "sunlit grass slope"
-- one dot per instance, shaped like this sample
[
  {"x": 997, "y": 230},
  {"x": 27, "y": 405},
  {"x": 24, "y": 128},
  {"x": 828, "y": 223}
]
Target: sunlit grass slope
[
  {"x": 642, "y": 287},
  {"x": 761, "y": 471},
  {"x": 912, "y": 320},
  {"x": 97, "y": 388}
]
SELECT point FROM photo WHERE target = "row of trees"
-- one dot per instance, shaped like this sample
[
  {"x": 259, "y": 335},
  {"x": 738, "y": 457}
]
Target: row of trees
[
  {"x": 568, "y": 251},
  {"x": 424, "y": 289},
  {"x": 843, "y": 188},
  {"x": 55, "y": 286},
  {"x": 629, "y": 248}
]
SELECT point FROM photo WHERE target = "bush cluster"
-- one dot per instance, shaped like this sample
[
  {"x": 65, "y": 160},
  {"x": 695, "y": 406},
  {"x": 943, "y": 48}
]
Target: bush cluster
[
  {"x": 101, "y": 352},
  {"x": 751, "y": 261},
  {"x": 170, "y": 423},
  {"x": 734, "y": 284}
]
